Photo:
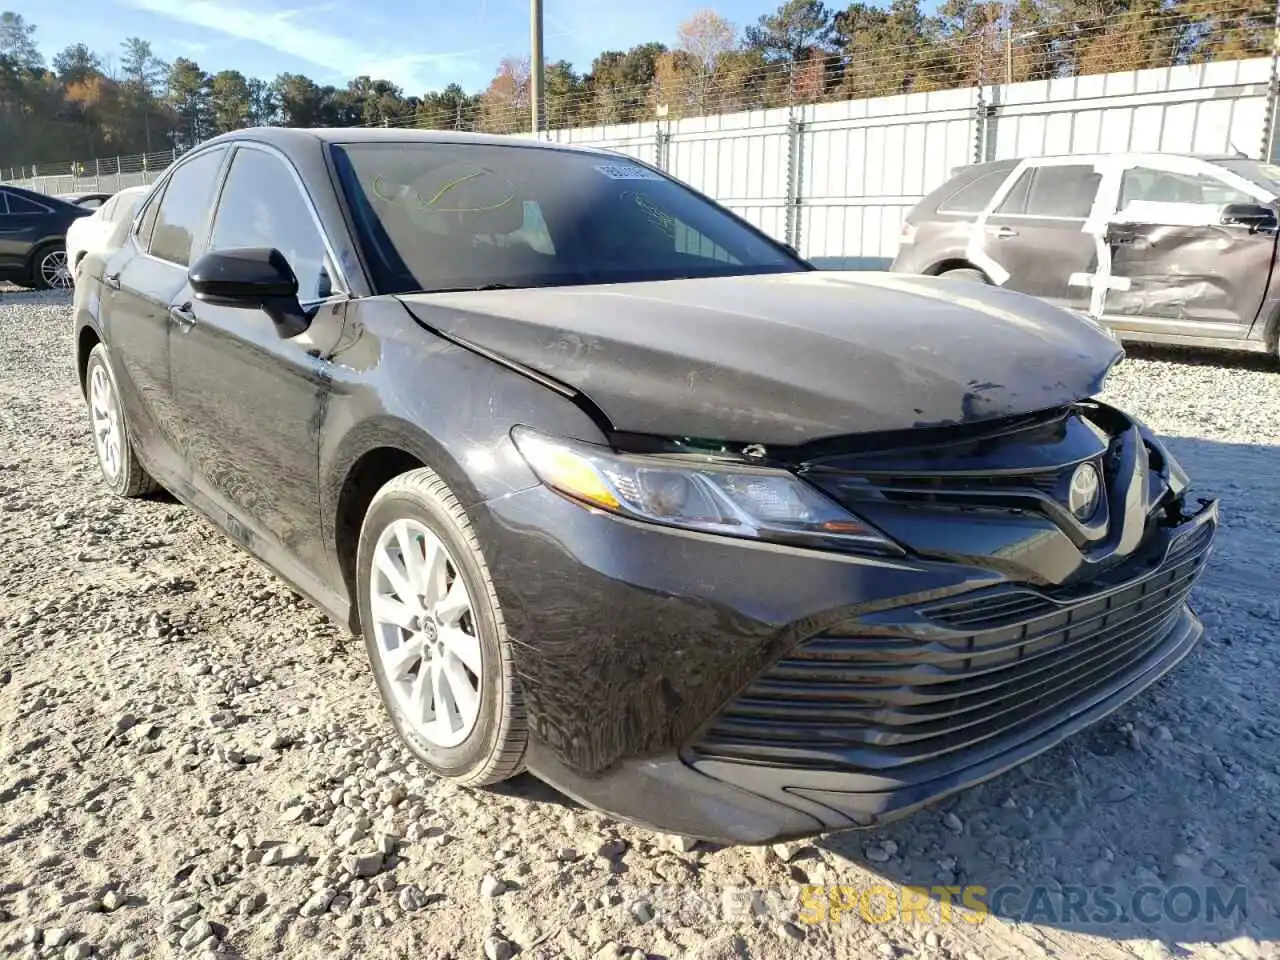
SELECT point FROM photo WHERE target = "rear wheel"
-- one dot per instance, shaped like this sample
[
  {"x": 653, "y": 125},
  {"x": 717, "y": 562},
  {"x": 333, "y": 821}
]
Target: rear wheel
[
  {"x": 435, "y": 633},
  {"x": 50, "y": 269},
  {"x": 964, "y": 273},
  {"x": 120, "y": 467}
]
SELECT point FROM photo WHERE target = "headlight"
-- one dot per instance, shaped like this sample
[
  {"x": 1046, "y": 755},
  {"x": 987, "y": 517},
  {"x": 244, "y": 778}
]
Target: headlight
[{"x": 730, "y": 498}]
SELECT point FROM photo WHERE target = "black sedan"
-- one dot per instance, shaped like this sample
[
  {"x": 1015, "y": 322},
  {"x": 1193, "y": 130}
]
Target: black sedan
[
  {"x": 33, "y": 231},
  {"x": 617, "y": 489}
]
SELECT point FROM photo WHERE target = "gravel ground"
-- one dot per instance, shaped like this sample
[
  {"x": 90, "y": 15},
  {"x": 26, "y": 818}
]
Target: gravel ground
[{"x": 193, "y": 761}]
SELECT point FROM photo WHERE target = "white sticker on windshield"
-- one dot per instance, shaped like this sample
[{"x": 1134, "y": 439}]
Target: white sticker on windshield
[{"x": 626, "y": 171}]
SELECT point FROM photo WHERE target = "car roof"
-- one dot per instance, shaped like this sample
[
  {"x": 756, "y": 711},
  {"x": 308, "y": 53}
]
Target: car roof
[{"x": 291, "y": 138}]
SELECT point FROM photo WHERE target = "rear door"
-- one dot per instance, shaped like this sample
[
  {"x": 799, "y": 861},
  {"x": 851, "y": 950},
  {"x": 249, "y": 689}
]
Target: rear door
[
  {"x": 1036, "y": 231},
  {"x": 249, "y": 400},
  {"x": 140, "y": 281},
  {"x": 1176, "y": 268}
]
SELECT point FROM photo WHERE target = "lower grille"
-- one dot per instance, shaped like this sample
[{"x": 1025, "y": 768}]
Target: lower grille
[{"x": 907, "y": 689}]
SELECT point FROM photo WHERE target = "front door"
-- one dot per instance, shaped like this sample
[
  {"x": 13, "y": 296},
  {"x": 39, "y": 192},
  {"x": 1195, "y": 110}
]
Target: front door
[
  {"x": 250, "y": 401},
  {"x": 1035, "y": 232},
  {"x": 1175, "y": 266}
]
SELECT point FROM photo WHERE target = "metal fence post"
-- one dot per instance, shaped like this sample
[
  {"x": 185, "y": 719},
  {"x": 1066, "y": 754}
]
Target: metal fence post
[{"x": 1269, "y": 116}]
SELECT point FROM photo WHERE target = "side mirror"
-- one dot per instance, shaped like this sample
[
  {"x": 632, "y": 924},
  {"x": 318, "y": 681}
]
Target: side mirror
[
  {"x": 1255, "y": 216},
  {"x": 257, "y": 278}
]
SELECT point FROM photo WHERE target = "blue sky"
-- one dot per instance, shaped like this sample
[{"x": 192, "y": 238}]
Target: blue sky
[{"x": 419, "y": 44}]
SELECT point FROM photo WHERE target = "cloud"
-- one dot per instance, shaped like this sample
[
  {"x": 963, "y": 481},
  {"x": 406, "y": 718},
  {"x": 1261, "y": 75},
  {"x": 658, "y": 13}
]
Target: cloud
[{"x": 289, "y": 32}]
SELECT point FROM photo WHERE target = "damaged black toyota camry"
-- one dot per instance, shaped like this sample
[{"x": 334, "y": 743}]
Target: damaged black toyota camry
[{"x": 620, "y": 491}]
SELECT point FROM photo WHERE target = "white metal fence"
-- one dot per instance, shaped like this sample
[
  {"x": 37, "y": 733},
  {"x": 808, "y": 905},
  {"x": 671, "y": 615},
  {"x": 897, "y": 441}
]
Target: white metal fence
[{"x": 836, "y": 179}]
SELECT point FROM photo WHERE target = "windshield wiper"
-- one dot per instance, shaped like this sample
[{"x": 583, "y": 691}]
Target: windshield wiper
[{"x": 476, "y": 289}]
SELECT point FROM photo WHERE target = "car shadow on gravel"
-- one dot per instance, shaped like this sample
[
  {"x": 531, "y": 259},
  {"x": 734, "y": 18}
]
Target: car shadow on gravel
[
  {"x": 1203, "y": 357},
  {"x": 1162, "y": 821}
]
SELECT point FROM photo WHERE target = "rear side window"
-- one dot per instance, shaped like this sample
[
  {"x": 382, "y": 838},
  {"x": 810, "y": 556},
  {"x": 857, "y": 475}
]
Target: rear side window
[
  {"x": 974, "y": 196},
  {"x": 183, "y": 211},
  {"x": 1065, "y": 191},
  {"x": 19, "y": 204}
]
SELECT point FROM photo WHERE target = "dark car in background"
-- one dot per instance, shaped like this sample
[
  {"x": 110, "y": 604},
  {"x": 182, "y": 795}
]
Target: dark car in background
[
  {"x": 33, "y": 231},
  {"x": 1166, "y": 248},
  {"x": 617, "y": 489}
]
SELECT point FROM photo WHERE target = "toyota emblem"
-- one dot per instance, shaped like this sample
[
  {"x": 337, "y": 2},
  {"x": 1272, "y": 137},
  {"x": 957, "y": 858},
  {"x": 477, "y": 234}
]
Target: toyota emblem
[{"x": 1085, "y": 493}]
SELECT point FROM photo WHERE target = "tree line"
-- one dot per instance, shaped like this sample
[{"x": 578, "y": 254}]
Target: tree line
[{"x": 82, "y": 104}]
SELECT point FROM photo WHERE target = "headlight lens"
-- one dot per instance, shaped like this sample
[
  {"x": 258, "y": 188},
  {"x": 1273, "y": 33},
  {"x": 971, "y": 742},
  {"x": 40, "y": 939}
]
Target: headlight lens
[{"x": 730, "y": 499}]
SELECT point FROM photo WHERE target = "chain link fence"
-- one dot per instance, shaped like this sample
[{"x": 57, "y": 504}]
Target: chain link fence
[{"x": 106, "y": 175}]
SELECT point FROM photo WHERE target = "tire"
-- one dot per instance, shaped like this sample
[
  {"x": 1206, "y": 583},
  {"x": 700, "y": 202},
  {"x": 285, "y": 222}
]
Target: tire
[
  {"x": 965, "y": 273},
  {"x": 50, "y": 273},
  {"x": 412, "y": 509},
  {"x": 121, "y": 470}
]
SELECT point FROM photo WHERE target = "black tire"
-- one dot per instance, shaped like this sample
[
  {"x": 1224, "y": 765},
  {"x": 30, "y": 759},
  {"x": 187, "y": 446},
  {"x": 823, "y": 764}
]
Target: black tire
[
  {"x": 38, "y": 280},
  {"x": 132, "y": 479},
  {"x": 494, "y": 750},
  {"x": 965, "y": 273}
]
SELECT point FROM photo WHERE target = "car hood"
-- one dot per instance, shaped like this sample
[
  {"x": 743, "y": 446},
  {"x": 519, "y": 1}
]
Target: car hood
[{"x": 787, "y": 358}]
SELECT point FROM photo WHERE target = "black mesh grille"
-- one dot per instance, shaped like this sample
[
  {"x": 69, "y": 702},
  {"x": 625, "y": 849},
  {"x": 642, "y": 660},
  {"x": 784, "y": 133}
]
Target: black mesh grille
[{"x": 1005, "y": 663}]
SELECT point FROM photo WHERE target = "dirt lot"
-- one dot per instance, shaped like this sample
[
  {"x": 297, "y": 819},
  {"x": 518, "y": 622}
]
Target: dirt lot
[{"x": 193, "y": 762}]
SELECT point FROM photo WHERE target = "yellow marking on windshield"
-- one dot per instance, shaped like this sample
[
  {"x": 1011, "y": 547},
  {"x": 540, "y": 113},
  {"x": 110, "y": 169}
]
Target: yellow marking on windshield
[{"x": 431, "y": 205}]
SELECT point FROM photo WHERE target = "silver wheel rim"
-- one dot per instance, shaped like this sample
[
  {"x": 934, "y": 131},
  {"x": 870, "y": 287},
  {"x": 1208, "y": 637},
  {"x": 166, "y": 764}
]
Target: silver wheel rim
[
  {"x": 425, "y": 629},
  {"x": 55, "y": 270},
  {"x": 106, "y": 421}
]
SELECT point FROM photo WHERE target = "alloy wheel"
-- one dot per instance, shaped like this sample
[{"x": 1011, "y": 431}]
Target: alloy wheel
[
  {"x": 55, "y": 270},
  {"x": 106, "y": 421},
  {"x": 425, "y": 633}
]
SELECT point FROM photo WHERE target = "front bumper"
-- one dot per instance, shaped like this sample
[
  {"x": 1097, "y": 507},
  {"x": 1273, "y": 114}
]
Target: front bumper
[{"x": 743, "y": 692}]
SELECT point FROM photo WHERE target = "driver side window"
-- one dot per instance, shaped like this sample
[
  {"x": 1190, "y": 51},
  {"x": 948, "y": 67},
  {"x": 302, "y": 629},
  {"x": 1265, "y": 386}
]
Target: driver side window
[{"x": 262, "y": 206}]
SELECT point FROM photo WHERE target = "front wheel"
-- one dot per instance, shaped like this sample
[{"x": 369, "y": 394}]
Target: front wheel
[
  {"x": 435, "y": 633},
  {"x": 51, "y": 270}
]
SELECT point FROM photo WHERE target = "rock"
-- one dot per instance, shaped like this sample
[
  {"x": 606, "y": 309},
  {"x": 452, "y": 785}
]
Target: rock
[
  {"x": 642, "y": 911},
  {"x": 681, "y": 844},
  {"x": 953, "y": 823},
  {"x": 1163, "y": 733},
  {"x": 566, "y": 855},
  {"x": 132, "y": 950},
  {"x": 78, "y": 951},
  {"x": 318, "y": 902},
  {"x": 351, "y": 836},
  {"x": 887, "y": 950},
  {"x": 790, "y": 931},
  {"x": 276, "y": 741},
  {"x": 612, "y": 848},
  {"x": 496, "y": 948},
  {"x": 931, "y": 940},
  {"x": 365, "y": 865},
  {"x": 56, "y": 936},
  {"x": 122, "y": 723},
  {"x": 111, "y": 901},
  {"x": 411, "y": 898},
  {"x": 178, "y": 910},
  {"x": 196, "y": 934},
  {"x": 386, "y": 844},
  {"x": 879, "y": 852},
  {"x": 294, "y": 814},
  {"x": 282, "y": 853},
  {"x": 32, "y": 936},
  {"x": 491, "y": 886}
]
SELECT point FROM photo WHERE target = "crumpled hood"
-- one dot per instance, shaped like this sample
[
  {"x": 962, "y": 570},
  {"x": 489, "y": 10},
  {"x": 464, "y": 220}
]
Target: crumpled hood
[{"x": 787, "y": 358}]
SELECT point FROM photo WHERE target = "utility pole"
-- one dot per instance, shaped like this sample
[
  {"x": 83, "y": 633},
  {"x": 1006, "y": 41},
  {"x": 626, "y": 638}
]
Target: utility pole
[{"x": 536, "y": 71}]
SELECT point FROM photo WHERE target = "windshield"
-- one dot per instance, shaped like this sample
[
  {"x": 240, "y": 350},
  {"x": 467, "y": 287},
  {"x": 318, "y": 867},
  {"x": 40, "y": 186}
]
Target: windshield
[
  {"x": 445, "y": 216},
  {"x": 1263, "y": 174}
]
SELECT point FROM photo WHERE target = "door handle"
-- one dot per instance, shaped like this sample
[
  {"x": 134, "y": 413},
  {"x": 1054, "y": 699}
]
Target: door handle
[
  {"x": 1005, "y": 233},
  {"x": 183, "y": 316},
  {"x": 112, "y": 280}
]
